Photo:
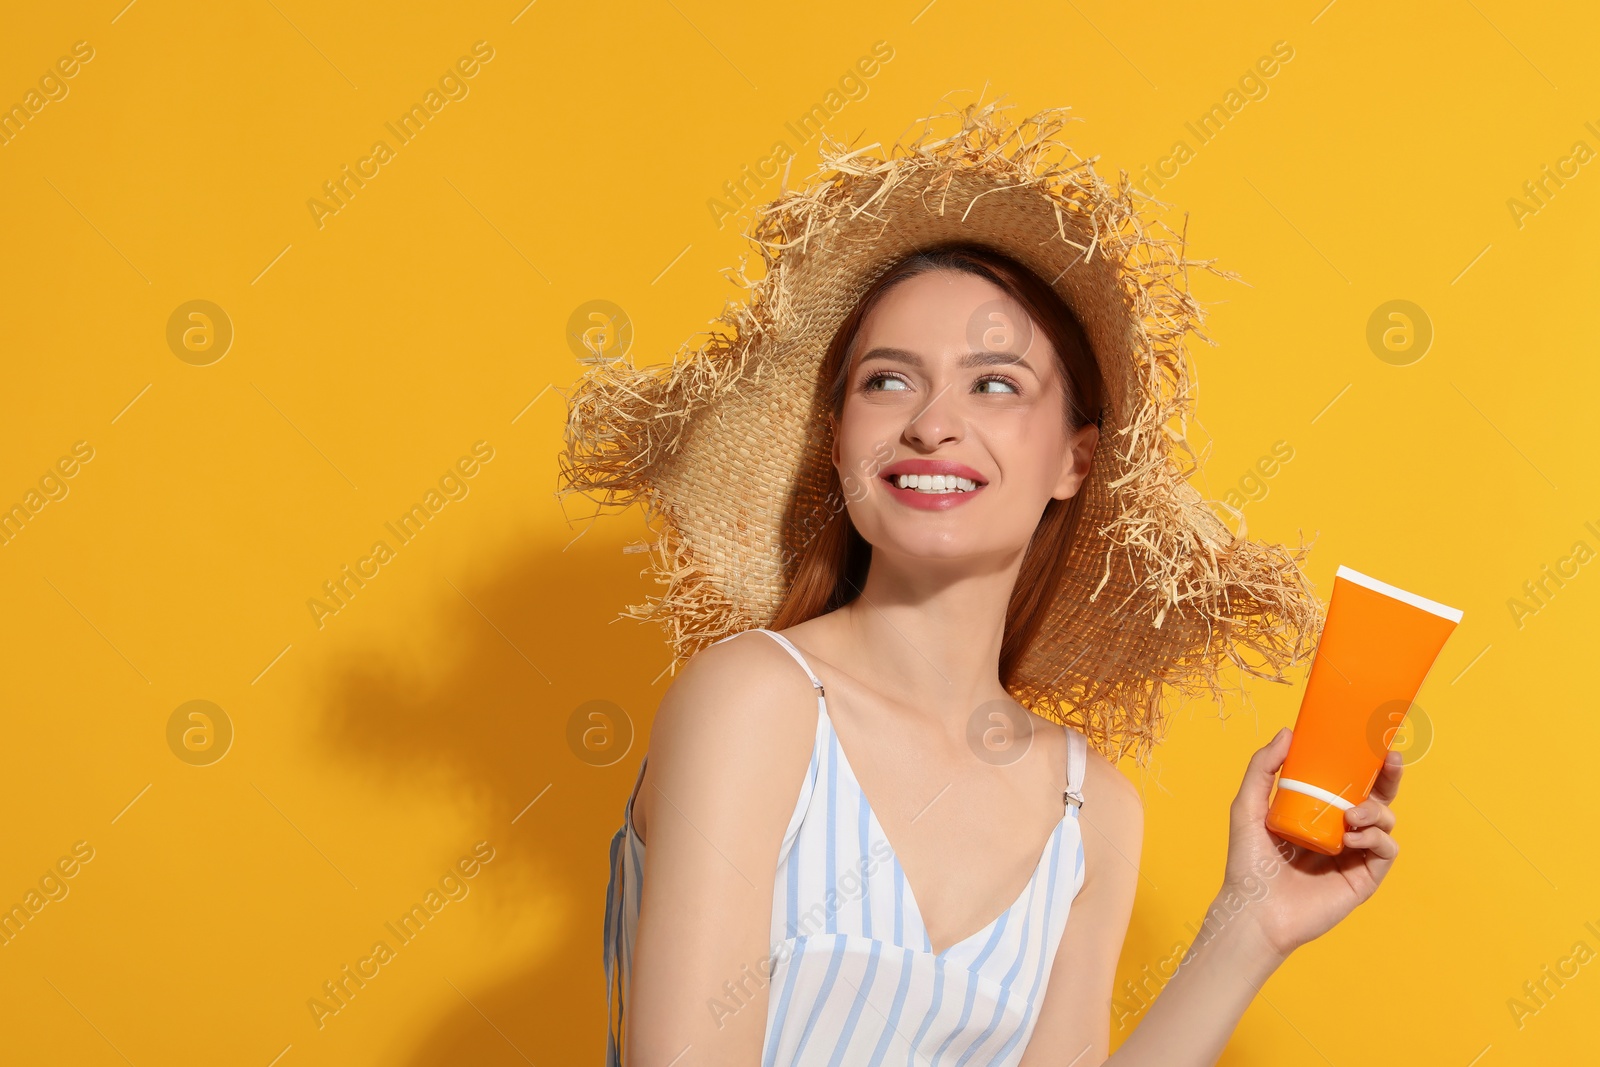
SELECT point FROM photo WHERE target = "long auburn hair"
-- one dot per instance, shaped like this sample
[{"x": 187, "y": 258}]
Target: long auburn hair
[{"x": 832, "y": 565}]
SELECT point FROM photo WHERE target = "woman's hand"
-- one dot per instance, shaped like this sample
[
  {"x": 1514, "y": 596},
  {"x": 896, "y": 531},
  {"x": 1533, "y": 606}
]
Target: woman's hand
[{"x": 1293, "y": 894}]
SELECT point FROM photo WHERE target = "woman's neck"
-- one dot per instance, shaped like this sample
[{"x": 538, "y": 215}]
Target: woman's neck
[{"x": 930, "y": 634}]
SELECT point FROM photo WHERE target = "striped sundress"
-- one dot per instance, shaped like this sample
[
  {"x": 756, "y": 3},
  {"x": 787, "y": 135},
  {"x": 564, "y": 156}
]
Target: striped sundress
[{"x": 858, "y": 982}]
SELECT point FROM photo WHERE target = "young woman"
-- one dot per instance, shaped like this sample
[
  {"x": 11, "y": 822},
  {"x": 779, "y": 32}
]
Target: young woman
[{"x": 862, "y": 848}]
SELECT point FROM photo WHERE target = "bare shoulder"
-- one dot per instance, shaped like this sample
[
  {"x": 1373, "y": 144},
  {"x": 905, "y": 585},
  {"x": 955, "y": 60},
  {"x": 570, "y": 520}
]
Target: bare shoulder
[
  {"x": 747, "y": 689},
  {"x": 1114, "y": 811},
  {"x": 739, "y": 718}
]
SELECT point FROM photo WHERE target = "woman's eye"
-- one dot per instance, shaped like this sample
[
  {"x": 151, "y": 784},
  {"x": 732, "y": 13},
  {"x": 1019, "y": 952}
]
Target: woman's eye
[
  {"x": 995, "y": 385},
  {"x": 884, "y": 382}
]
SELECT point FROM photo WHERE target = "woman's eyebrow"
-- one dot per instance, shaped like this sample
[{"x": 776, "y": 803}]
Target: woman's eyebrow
[
  {"x": 990, "y": 359},
  {"x": 896, "y": 355},
  {"x": 971, "y": 359}
]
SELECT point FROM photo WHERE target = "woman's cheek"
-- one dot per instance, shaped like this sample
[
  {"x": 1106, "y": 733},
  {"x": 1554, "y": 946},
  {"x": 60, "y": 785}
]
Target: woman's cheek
[{"x": 864, "y": 439}]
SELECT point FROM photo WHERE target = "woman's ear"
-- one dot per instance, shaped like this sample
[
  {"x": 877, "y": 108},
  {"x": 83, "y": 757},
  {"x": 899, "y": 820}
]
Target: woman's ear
[
  {"x": 833, "y": 438},
  {"x": 1075, "y": 461}
]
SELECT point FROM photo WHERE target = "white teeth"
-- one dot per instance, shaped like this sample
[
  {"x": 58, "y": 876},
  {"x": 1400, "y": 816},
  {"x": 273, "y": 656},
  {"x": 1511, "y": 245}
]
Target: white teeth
[{"x": 935, "y": 483}]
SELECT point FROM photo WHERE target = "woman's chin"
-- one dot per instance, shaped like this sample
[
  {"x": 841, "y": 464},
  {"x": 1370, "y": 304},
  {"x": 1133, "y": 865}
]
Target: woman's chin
[{"x": 948, "y": 547}]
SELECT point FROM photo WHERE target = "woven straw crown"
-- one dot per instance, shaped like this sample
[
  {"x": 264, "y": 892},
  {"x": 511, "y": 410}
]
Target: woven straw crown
[{"x": 728, "y": 448}]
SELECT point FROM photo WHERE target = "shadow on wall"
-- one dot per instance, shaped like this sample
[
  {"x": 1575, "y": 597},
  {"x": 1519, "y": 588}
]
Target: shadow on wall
[{"x": 486, "y": 725}]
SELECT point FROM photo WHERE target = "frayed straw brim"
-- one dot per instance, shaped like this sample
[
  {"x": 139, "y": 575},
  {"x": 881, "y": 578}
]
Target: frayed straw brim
[{"x": 728, "y": 451}]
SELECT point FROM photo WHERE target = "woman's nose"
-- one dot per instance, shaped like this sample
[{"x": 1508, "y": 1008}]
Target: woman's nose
[{"x": 936, "y": 423}]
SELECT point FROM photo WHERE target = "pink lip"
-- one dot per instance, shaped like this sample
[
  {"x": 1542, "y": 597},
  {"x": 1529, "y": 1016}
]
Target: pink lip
[
  {"x": 933, "y": 466},
  {"x": 931, "y": 501}
]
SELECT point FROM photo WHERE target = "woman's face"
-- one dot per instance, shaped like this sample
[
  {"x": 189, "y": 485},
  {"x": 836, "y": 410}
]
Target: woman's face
[{"x": 953, "y": 435}]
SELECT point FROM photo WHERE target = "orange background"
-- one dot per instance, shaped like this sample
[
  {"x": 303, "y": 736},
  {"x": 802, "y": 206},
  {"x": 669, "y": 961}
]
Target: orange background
[{"x": 370, "y": 353}]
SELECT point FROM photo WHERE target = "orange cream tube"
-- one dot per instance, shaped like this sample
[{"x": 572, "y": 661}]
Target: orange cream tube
[{"x": 1378, "y": 644}]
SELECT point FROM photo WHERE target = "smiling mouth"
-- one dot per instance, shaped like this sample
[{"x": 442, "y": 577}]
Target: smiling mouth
[{"x": 932, "y": 483}]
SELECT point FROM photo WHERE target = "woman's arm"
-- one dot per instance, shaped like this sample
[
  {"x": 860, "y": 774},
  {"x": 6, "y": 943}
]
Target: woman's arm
[
  {"x": 728, "y": 752},
  {"x": 1074, "y": 1019},
  {"x": 1275, "y": 897}
]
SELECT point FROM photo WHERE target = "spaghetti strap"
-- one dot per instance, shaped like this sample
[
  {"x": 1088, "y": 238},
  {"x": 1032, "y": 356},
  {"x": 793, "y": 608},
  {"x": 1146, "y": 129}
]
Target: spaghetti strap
[
  {"x": 1077, "y": 764},
  {"x": 816, "y": 683}
]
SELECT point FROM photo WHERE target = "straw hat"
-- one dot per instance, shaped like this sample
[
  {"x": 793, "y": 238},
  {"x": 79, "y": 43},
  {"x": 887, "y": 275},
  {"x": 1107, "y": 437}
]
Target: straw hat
[{"x": 727, "y": 448}]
